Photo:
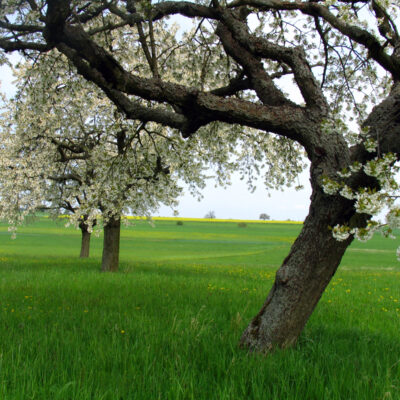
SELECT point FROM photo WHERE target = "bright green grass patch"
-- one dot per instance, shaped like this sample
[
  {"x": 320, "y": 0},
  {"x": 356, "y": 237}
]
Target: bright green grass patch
[{"x": 167, "y": 325}]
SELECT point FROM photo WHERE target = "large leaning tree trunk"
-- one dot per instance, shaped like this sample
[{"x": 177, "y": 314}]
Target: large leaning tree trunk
[
  {"x": 302, "y": 278},
  {"x": 110, "y": 259},
  {"x": 316, "y": 254}
]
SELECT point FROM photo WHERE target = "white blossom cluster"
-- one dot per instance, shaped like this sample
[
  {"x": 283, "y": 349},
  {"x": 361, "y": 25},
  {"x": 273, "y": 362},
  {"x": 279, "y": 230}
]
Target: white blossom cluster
[
  {"x": 369, "y": 201},
  {"x": 343, "y": 232}
]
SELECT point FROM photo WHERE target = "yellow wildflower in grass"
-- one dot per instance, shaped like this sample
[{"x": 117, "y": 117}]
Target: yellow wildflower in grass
[{"x": 122, "y": 331}]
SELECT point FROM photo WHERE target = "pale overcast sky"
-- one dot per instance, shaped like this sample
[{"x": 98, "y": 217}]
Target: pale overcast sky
[
  {"x": 234, "y": 202},
  {"x": 237, "y": 202}
]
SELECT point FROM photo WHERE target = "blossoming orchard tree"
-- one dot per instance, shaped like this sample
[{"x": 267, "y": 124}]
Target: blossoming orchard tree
[
  {"x": 79, "y": 156},
  {"x": 229, "y": 69}
]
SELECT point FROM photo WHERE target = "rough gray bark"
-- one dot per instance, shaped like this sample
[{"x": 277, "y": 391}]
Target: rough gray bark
[{"x": 110, "y": 259}]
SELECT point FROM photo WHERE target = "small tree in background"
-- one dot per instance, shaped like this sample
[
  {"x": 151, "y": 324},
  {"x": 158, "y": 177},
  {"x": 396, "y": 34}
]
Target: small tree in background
[
  {"x": 264, "y": 216},
  {"x": 210, "y": 215}
]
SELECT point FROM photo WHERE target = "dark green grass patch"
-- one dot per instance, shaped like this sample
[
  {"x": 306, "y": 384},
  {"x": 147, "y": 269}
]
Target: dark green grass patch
[{"x": 167, "y": 325}]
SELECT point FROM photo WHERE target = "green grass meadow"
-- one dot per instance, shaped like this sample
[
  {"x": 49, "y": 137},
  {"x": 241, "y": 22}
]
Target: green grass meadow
[{"x": 167, "y": 325}]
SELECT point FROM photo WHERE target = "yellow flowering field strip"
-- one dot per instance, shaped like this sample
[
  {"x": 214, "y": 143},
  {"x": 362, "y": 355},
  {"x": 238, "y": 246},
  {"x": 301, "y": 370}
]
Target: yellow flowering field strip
[{"x": 175, "y": 219}]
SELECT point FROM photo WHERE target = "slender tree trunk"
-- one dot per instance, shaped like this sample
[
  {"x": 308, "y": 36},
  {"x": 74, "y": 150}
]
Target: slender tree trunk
[
  {"x": 110, "y": 259},
  {"x": 302, "y": 278},
  {"x": 85, "y": 244}
]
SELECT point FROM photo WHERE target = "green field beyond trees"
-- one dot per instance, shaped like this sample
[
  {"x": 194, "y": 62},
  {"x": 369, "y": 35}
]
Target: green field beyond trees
[{"x": 167, "y": 325}]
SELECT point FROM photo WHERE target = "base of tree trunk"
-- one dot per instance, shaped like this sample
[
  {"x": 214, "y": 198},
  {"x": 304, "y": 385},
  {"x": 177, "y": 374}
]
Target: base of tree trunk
[{"x": 110, "y": 259}]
